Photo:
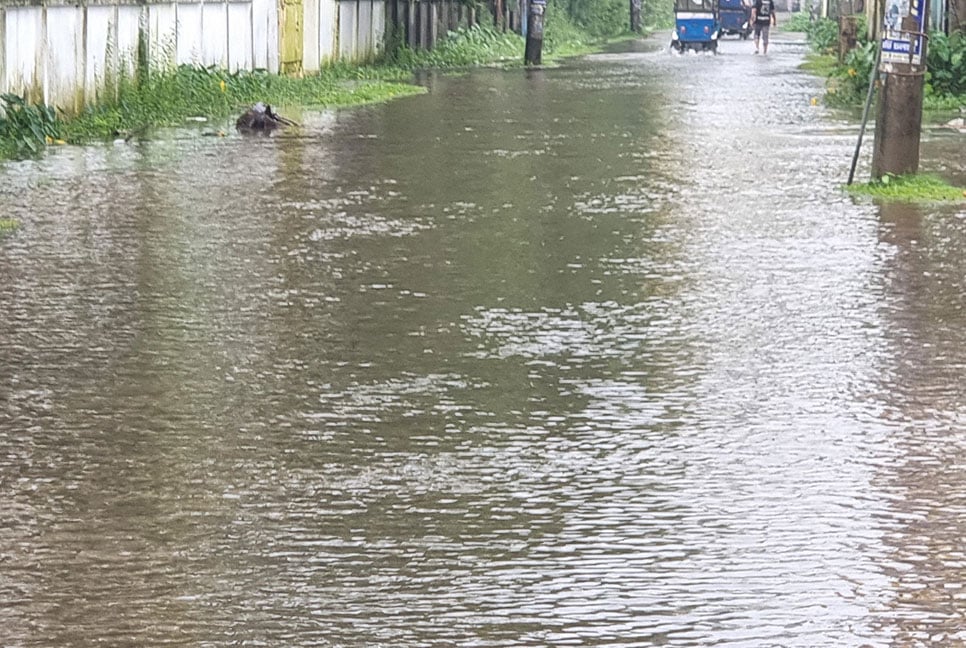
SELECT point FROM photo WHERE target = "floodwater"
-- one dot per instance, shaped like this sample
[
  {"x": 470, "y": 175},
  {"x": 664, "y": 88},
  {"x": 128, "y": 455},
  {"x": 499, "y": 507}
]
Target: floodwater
[{"x": 598, "y": 355}]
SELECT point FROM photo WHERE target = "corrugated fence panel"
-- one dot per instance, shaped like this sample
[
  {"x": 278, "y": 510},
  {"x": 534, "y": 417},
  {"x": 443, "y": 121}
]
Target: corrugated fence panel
[
  {"x": 190, "y": 34},
  {"x": 265, "y": 30},
  {"x": 162, "y": 35},
  {"x": 65, "y": 78},
  {"x": 378, "y": 26},
  {"x": 128, "y": 30},
  {"x": 23, "y": 67},
  {"x": 311, "y": 30},
  {"x": 68, "y": 53},
  {"x": 240, "y": 39},
  {"x": 214, "y": 33},
  {"x": 364, "y": 46},
  {"x": 100, "y": 26},
  {"x": 348, "y": 17},
  {"x": 328, "y": 30}
]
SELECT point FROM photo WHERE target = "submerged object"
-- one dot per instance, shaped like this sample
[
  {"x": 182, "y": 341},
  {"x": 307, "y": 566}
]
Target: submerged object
[
  {"x": 261, "y": 117},
  {"x": 958, "y": 124}
]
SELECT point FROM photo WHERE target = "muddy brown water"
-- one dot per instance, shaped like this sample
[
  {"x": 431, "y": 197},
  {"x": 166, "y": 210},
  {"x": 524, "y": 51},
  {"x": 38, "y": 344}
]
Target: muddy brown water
[{"x": 597, "y": 355}]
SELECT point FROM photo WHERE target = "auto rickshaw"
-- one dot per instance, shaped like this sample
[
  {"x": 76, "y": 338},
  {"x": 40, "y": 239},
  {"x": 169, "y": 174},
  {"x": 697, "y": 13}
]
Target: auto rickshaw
[
  {"x": 695, "y": 25},
  {"x": 735, "y": 18}
]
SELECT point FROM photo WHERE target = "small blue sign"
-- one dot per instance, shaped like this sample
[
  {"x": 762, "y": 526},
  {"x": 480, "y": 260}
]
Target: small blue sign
[{"x": 898, "y": 45}]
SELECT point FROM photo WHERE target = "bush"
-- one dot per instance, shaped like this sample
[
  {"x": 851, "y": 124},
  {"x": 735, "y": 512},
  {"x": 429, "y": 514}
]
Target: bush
[
  {"x": 599, "y": 18},
  {"x": 561, "y": 36},
  {"x": 464, "y": 47},
  {"x": 25, "y": 129},
  {"x": 848, "y": 83},
  {"x": 799, "y": 22},
  {"x": 946, "y": 64},
  {"x": 823, "y": 35}
]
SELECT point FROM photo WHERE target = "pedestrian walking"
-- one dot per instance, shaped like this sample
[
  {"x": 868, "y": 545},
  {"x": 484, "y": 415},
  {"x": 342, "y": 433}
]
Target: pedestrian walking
[{"x": 763, "y": 17}]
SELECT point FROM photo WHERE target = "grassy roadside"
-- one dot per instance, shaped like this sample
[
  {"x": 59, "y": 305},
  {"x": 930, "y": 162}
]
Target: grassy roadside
[
  {"x": 911, "y": 188},
  {"x": 172, "y": 97},
  {"x": 846, "y": 87},
  {"x": 846, "y": 81}
]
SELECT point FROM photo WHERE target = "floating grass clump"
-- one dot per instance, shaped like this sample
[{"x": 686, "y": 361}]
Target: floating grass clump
[
  {"x": 910, "y": 188},
  {"x": 8, "y": 225}
]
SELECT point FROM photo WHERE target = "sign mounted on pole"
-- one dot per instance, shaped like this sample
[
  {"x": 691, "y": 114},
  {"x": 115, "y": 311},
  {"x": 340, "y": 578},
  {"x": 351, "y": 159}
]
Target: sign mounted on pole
[{"x": 904, "y": 27}]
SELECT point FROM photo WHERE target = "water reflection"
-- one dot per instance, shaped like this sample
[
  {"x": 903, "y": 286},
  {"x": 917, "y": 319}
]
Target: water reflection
[
  {"x": 595, "y": 355},
  {"x": 925, "y": 377}
]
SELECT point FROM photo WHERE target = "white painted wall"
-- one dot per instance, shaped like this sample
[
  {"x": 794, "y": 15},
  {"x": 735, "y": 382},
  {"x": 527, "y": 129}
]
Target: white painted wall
[
  {"x": 71, "y": 54},
  {"x": 22, "y": 48}
]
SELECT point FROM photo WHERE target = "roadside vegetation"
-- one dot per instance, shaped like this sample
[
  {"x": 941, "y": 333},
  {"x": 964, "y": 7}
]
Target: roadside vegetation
[
  {"x": 847, "y": 86},
  {"x": 168, "y": 98},
  {"x": 25, "y": 129},
  {"x": 911, "y": 188},
  {"x": 847, "y": 81}
]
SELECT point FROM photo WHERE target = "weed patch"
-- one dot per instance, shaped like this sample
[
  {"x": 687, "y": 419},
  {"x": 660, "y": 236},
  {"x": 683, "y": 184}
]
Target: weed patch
[
  {"x": 167, "y": 99},
  {"x": 910, "y": 188},
  {"x": 25, "y": 129}
]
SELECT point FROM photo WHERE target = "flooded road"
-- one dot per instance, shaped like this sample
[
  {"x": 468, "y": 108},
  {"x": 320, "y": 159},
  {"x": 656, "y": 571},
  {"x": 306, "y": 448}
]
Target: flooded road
[{"x": 597, "y": 355}]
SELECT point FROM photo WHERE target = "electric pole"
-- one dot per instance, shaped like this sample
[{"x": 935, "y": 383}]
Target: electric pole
[
  {"x": 898, "y": 124},
  {"x": 534, "y": 47}
]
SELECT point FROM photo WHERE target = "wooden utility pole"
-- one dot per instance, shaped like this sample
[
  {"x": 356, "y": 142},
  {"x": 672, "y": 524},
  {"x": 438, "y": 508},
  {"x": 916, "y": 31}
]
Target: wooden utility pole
[
  {"x": 898, "y": 124},
  {"x": 636, "y": 16},
  {"x": 848, "y": 35},
  {"x": 534, "y": 48}
]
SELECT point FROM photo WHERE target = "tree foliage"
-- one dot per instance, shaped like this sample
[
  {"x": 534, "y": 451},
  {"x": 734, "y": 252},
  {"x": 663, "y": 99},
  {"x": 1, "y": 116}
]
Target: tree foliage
[
  {"x": 947, "y": 63},
  {"x": 607, "y": 18}
]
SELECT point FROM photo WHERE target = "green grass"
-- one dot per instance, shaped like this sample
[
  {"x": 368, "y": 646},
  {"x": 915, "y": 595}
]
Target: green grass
[
  {"x": 462, "y": 48},
  {"x": 8, "y": 225},
  {"x": 942, "y": 103},
  {"x": 167, "y": 99},
  {"x": 910, "y": 188},
  {"x": 822, "y": 65}
]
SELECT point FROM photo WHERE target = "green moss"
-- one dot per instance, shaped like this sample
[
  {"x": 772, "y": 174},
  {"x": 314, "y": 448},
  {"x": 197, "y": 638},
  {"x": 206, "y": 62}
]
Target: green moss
[{"x": 910, "y": 188}]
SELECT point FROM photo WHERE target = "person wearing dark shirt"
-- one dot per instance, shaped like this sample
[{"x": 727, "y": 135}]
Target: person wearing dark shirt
[{"x": 763, "y": 17}]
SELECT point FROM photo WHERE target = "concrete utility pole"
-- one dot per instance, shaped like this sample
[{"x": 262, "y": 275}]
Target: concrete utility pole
[
  {"x": 898, "y": 124},
  {"x": 848, "y": 35},
  {"x": 534, "y": 48},
  {"x": 636, "y": 16}
]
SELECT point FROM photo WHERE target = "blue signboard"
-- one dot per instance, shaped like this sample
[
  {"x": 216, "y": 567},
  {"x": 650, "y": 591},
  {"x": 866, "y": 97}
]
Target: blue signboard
[{"x": 899, "y": 45}]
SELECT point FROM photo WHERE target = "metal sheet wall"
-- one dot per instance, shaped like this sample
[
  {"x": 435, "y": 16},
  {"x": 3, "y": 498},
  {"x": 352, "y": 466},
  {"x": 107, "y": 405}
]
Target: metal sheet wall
[{"x": 68, "y": 55}]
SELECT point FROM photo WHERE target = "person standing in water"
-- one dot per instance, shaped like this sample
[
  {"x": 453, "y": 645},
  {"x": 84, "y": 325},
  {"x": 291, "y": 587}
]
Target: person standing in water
[{"x": 763, "y": 17}]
